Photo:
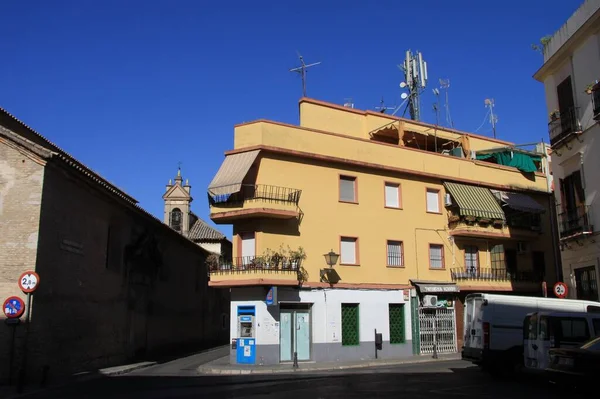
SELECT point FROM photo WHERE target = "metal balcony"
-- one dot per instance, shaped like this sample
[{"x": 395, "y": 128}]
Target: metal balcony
[
  {"x": 575, "y": 222},
  {"x": 265, "y": 192},
  {"x": 564, "y": 127},
  {"x": 474, "y": 273}
]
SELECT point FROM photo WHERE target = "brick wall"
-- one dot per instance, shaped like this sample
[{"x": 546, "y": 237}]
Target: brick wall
[
  {"x": 21, "y": 180},
  {"x": 115, "y": 283}
]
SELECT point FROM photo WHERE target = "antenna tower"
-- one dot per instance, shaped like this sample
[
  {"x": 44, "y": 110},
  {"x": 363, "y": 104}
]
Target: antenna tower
[
  {"x": 445, "y": 84},
  {"x": 489, "y": 102},
  {"x": 302, "y": 71},
  {"x": 436, "y": 109},
  {"x": 415, "y": 80}
]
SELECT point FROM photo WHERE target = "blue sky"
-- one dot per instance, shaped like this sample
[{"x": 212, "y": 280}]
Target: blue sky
[{"x": 131, "y": 88}]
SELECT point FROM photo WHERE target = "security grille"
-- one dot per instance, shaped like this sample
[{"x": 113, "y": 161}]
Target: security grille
[
  {"x": 350, "y": 324},
  {"x": 437, "y": 325},
  {"x": 396, "y": 323}
]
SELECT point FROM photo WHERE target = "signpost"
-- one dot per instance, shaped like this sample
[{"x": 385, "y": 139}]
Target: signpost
[
  {"x": 13, "y": 307},
  {"x": 28, "y": 282},
  {"x": 560, "y": 290}
]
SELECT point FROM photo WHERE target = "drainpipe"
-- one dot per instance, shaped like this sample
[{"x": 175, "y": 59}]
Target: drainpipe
[{"x": 553, "y": 219}]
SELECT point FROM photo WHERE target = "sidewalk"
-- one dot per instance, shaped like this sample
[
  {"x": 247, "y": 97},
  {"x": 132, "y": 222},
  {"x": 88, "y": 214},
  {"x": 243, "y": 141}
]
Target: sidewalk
[
  {"x": 153, "y": 367},
  {"x": 221, "y": 366}
]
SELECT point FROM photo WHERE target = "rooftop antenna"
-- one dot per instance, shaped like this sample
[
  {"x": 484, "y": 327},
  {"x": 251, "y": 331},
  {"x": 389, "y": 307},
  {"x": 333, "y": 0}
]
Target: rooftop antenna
[
  {"x": 445, "y": 84},
  {"x": 302, "y": 71},
  {"x": 489, "y": 102},
  {"x": 436, "y": 109},
  {"x": 383, "y": 108},
  {"x": 415, "y": 75}
]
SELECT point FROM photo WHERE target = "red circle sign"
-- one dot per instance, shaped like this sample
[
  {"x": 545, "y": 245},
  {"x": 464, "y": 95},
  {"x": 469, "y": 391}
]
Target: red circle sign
[
  {"x": 29, "y": 281},
  {"x": 560, "y": 290},
  {"x": 13, "y": 307}
]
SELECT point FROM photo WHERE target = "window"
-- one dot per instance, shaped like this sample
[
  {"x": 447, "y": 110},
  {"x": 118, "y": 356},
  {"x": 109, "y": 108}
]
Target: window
[
  {"x": 396, "y": 315},
  {"x": 433, "y": 200},
  {"x": 596, "y": 102},
  {"x": 497, "y": 257},
  {"x": 350, "y": 325},
  {"x": 394, "y": 253},
  {"x": 586, "y": 284},
  {"x": 436, "y": 256},
  {"x": 175, "y": 219},
  {"x": 571, "y": 329},
  {"x": 392, "y": 195},
  {"x": 348, "y": 250},
  {"x": 596, "y": 324},
  {"x": 471, "y": 258},
  {"x": 348, "y": 189}
]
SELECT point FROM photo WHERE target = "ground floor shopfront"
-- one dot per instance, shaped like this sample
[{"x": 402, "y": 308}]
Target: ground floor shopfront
[
  {"x": 320, "y": 325},
  {"x": 581, "y": 267}
]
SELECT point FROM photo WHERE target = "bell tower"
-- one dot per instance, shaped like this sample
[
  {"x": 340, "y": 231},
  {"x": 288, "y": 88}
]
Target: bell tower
[{"x": 178, "y": 199}]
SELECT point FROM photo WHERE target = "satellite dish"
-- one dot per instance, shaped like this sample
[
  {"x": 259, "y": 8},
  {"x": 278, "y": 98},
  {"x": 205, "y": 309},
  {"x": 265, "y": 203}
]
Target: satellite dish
[
  {"x": 402, "y": 85},
  {"x": 403, "y": 96}
]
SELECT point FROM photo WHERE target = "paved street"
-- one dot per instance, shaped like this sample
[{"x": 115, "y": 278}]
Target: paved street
[{"x": 447, "y": 379}]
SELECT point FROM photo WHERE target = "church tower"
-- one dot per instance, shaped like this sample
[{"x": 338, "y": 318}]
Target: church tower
[{"x": 178, "y": 199}]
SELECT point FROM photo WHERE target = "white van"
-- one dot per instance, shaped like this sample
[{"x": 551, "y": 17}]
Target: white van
[
  {"x": 493, "y": 326},
  {"x": 545, "y": 330}
]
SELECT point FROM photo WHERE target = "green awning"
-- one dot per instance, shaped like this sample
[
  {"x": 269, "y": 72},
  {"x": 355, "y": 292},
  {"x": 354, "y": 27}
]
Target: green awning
[
  {"x": 522, "y": 161},
  {"x": 475, "y": 201}
]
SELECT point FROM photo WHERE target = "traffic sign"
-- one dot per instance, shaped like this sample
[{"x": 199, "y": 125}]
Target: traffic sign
[
  {"x": 13, "y": 307},
  {"x": 29, "y": 281},
  {"x": 561, "y": 290}
]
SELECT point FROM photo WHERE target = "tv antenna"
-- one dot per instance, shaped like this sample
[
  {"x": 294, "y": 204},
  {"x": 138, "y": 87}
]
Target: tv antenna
[
  {"x": 436, "y": 109},
  {"x": 489, "y": 103},
  {"x": 302, "y": 71},
  {"x": 383, "y": 108},
  {"x": 445, "y": 84},
  {"x": 415, "y": 80}
]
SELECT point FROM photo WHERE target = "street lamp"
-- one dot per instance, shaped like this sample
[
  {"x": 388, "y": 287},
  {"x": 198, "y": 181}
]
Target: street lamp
[{"x": 331, "y": 258}]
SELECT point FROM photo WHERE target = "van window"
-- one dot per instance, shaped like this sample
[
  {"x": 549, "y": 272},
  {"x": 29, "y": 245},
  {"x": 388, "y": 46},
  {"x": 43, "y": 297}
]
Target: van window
[
  {"x": 572, "y": 329},
  {"x": 544, "y": 333},
  {"x": 596, "y": 324},
  {"x": 530, "y": 330}
]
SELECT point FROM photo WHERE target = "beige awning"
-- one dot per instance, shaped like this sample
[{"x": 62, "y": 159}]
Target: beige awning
[
  {"x": 519, "y": 202},
  {"x": 234, "y": 168}
]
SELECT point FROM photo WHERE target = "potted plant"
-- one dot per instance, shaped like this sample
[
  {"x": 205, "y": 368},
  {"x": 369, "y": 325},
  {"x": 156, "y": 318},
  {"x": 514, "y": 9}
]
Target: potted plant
[
  {"x": 554, "y": 115},
  {"x": 296, "y": 257},
  {"x": 212, "y": 262}
]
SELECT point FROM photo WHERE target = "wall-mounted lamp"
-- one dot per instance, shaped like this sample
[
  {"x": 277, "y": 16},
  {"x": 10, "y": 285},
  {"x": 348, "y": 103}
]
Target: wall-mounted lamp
[{"x": 331, "y": 258}]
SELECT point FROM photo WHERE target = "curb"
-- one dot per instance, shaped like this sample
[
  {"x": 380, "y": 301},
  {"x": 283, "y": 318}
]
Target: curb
[{"x": 258, "y": 371}]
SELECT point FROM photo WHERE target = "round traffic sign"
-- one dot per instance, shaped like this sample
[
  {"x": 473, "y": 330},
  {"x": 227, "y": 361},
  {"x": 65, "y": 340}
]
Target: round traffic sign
[
  {"x": 560, "y": 289},
  {"x": 29, "y": 281},
  {"x": 13, "y": 307}
]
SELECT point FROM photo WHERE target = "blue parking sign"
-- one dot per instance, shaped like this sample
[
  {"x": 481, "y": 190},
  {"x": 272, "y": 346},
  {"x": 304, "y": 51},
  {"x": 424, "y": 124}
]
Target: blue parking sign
[{"x": 13, "y": 307}]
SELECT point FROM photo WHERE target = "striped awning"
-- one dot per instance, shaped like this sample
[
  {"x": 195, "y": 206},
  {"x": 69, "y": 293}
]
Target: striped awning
[
  {"x": 234, "y": 168},
  {"x": 475, "y": 201},
  {"x": 519, "y": 202}
]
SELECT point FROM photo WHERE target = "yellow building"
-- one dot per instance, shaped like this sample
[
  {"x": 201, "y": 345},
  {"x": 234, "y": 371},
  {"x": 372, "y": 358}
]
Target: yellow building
[{"x": 419, "y": 215}]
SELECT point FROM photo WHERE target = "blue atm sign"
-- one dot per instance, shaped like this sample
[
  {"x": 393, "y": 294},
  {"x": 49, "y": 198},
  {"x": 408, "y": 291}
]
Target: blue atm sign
[
  {"x": 271, "y": 296},
  {"x": 245, "y": 318}
]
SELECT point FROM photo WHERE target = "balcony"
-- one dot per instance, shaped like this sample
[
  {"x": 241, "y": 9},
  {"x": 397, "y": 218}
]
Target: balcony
[
  {"x": 255, "y": 270},
  {"x": 575, "y": 222},
  {"x": 564, "y": 127},
  {"x": 470, "y": 275},
  {"x": 255, "y": 200}
]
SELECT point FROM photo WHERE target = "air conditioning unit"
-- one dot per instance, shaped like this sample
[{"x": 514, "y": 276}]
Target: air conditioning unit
[
  {"x": 521, "y": 247},
  {"x": 447, "y": 200},
  {"x": 430, "y": 301}
]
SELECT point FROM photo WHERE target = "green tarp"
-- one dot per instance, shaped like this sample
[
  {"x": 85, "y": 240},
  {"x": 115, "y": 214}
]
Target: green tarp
[{"x": 523, "y": 162}]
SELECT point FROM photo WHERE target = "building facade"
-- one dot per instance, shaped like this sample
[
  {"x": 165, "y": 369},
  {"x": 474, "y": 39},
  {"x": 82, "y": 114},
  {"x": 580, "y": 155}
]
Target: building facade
[
  {"x": 417, "y": 216},
  {"x": 570, "y": 76},
  {"x": 116, "y": 284},
  {"x": 179, "y": 216}
]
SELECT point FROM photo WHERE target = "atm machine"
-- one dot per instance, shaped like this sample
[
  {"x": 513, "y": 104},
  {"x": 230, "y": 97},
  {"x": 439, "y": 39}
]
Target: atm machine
[{"x": 246, "y": 342}]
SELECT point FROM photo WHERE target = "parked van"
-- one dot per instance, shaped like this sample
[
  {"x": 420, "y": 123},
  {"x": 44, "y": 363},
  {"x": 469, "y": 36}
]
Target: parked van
[
  {"x": 493, "y": 326},
  {"x": 545, "y": 330}
]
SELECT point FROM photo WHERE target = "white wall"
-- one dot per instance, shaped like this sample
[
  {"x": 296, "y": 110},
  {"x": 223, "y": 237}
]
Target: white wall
[
  {"x": 326, "y": 312},
  {"x": 214, "y": 247}
]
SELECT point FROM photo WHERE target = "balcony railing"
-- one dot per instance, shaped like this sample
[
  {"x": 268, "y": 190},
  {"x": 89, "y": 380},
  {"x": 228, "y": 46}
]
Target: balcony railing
[
  {"x": 575, "y": 221},
  {"x": 473, "y": 273},
  {"x": 258, "y": 192},
  {"x": 244, "y": 264},
  {"x": 566, "y": 124}
]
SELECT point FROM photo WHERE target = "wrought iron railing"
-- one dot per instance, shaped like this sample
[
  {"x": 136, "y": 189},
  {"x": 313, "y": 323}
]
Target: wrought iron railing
[
  {"x": 475, "y": 273},
  {"x": 254, "y": 264},
  {"x": 565, "y": 124},
  {"x": 258, "y": 192},
  {"x": 575, "y": 221}
]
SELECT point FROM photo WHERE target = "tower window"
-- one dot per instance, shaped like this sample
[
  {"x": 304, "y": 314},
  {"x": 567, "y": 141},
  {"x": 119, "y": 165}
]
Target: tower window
[{"x": 175, "y": 219}]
